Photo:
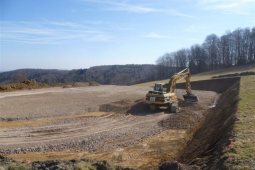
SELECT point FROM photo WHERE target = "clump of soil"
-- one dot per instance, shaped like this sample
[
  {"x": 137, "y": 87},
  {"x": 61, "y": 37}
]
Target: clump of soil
[
  {"x": 6, "y": 163},
  {"x": 126, "y": 106},
  {"x": 8, "y": 119},
  {"x": 140, "y": 107},
  {"x": 174, "y": 165},
  {"x": 72, "y": 164},
  {"x": 27, "y": 84},
  {"x": 4, "y": 159}
]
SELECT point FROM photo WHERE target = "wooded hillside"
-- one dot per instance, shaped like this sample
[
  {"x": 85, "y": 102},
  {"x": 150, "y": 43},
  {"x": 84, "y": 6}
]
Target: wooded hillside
[{"x": 112, "y": 74}]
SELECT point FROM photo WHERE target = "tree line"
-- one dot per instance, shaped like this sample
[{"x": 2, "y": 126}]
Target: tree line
[
  {"x": 108, "y": 74},
  {"x": 234, "y": 48}
]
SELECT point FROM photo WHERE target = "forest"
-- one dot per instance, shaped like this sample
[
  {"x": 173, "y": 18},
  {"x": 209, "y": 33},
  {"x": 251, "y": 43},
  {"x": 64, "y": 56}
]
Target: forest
[{"x": 234, "y": 48}]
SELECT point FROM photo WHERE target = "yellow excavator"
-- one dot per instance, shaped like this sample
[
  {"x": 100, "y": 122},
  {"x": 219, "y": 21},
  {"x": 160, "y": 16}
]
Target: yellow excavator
[{"x": 163, "y": 93}]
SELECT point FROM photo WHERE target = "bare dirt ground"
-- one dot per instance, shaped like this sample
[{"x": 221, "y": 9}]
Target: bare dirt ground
[{"x": 99, "y": 122}]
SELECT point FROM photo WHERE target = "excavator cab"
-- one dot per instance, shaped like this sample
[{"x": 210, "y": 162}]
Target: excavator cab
[{"x": 160, "y": 87}]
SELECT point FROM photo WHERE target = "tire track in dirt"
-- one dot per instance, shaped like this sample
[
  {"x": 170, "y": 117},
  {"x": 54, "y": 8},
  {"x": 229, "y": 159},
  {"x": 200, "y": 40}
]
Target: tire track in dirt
[{"x": 61, "y": 134}]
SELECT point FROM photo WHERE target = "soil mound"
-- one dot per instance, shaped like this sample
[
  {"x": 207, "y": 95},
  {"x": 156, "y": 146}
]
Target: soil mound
[
  {"x": 182, "y": 120},
  {"x": 27, "y": 84},
  {"x": 121, "y": 106},
  {"x": 81, "y": 84},
  {"x": 185, "y": 119},
  {"x": 138, "y": 107}
]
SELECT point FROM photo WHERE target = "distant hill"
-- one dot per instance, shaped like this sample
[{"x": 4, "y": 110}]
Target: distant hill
[
  {"x": 42, "y": 75},
  {"x": 111, "y": 74}
]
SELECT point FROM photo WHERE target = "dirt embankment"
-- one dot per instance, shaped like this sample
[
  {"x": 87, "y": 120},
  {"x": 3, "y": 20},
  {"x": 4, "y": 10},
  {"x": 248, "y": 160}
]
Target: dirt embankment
[
  {"x": 205, "y": 150},
  {"x": 27, "y": 84},
  {"x": 245, "y": 73},
  {"x": 217, "y": 85}
]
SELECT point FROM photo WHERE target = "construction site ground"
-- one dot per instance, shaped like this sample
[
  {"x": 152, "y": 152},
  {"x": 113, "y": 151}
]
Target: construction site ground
[{"x": 104, "y": 122}]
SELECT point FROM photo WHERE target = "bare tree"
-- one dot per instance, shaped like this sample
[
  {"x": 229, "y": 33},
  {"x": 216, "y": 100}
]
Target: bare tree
[{"x": 232, "y": 48}]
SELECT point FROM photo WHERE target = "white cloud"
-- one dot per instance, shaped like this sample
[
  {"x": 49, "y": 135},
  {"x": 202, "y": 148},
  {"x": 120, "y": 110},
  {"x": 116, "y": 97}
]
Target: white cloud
[
  {"x": 132, "y": 8},
  {"x": 177, "y": 13},
  {"x": 123, "y": 6},
  {"x": 241, "y": 7},
  {"x": 155, "y": 35},
  {"x": 51, "y": 32}
]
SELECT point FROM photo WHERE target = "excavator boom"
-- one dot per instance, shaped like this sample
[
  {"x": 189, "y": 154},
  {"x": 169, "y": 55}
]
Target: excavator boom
[{"x": 184, "y": 74}]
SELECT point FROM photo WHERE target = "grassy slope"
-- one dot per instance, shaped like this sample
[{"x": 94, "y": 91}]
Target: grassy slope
[{"x": 241, "y": 151}]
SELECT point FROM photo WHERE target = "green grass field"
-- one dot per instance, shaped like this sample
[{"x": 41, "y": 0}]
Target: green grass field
[{"x": 241, "y": 152}]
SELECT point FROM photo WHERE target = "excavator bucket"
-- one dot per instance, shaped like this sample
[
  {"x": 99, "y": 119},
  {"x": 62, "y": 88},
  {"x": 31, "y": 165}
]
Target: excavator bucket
[{"x": 190, "y": 98}]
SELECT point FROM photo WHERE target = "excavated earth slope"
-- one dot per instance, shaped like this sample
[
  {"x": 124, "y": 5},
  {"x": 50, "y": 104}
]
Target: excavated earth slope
[{"x": 205, "y": 150}]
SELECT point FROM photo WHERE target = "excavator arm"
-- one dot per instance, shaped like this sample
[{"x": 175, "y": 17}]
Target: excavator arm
[{"x": 184, "y": 74}]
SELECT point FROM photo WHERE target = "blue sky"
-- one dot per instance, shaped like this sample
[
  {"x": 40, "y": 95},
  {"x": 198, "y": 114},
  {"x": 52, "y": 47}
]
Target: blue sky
[{"x": 73, "y": 34}]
